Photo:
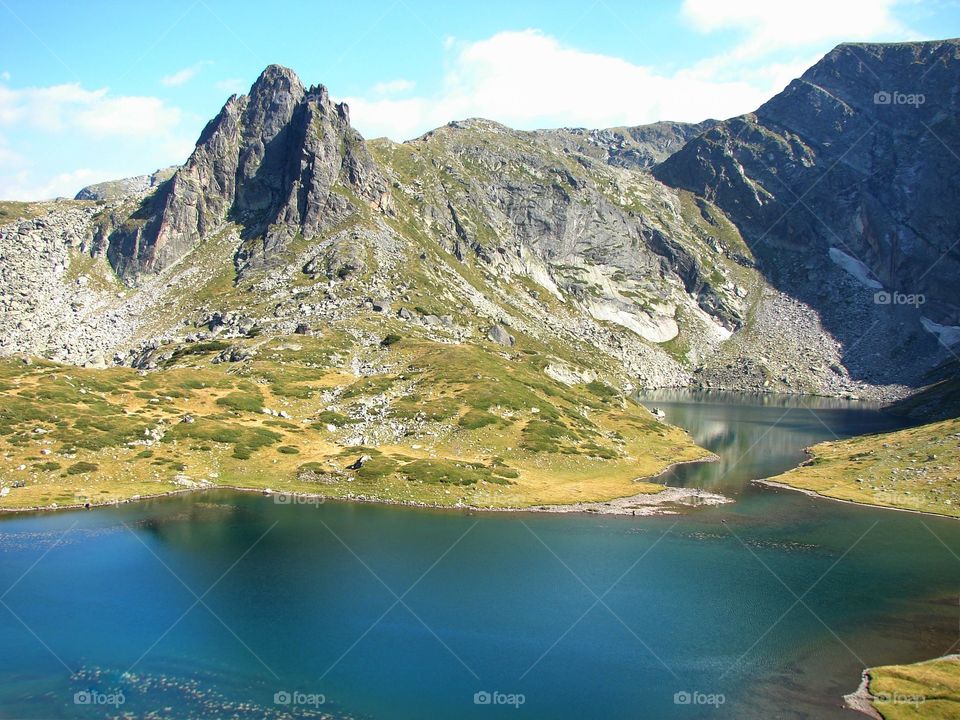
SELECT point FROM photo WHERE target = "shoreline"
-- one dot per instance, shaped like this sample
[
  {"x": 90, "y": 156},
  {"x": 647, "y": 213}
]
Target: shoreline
[
  {"x": 861, "y": 700},
  {"x": 668, "y": 500},
  {"x": 876, "y": 506}
]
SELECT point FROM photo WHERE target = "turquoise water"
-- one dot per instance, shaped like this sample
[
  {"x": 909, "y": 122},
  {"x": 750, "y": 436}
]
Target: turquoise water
[{"x": 303, "y": 599}]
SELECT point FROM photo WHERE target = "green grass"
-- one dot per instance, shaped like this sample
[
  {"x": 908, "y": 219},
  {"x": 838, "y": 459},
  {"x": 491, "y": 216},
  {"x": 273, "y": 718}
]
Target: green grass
[
  {"x": 449, "y": 472},
  {"x": 602, "y": 390},
  {"x": 244, "y": 439},
  {"x": 546, "y": 436},
  {"x": 476, "y": 419},
  {"x": 913, "y": 469},
  {"x": 477, "y": 428},
  {"x": 377, "y": 468},
  {"x": 927, "y": 690},
  {"x": 11, "y": 210},
  {"x": 331, "y": 417},
  {"x": 82, "y": 467},
  {"x": 244, "y": 401}
]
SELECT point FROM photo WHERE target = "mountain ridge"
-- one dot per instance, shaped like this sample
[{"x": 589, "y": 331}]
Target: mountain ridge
[{"x": 629, "y": 238}]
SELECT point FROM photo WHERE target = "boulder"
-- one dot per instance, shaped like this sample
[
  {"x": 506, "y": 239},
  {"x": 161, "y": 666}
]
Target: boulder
[{"x": 499, "y": 334}]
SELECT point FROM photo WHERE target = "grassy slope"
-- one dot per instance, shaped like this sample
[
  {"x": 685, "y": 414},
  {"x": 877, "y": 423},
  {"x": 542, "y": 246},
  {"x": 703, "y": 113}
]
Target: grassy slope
[
  {"x": 913, "y": 469},
  {"x": 935, "y": 683},
  {"x": 484, "y": 429}
]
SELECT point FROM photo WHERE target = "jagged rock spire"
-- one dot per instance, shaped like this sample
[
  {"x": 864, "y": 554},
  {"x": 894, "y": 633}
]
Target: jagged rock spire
[{"x": 269, "y": 161}]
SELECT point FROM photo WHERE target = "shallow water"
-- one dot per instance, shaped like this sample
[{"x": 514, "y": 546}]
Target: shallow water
[{"x": 210, "y": 605}]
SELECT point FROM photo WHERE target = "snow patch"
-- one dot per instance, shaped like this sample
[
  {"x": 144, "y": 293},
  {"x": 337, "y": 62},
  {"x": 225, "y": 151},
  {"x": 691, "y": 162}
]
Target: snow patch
[
  {"x": 860, "y": 272},
  {"x": 948, "y": 335},
  {"x": 658, "y": 328}
]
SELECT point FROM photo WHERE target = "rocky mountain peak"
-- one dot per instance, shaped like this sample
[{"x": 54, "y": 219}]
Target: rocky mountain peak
[
  {"x": 272, "y": 100},
  {"x": 270, "y": 161},
  {"x": 276, "y": 78}
]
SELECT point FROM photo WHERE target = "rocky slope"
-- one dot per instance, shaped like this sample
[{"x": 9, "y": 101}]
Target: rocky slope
[
  {"x": 709, "y": 270},
  {"x": 845, "y": 188},
  {"x": 114, "y": 189}
]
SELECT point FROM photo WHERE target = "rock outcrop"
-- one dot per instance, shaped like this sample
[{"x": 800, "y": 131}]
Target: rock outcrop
[
  {"x": 280, "y": 161},
  {"x": 125, "y": 187}
]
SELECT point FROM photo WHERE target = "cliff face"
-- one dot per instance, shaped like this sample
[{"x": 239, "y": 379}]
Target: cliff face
[
  {"x": 268, "y": 161},
  {"x": 513, "y": 201},
  {"x": 860, "y": 155}
]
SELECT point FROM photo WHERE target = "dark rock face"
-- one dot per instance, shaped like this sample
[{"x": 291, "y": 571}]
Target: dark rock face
[
  {"x": 859, "y": 155},
  {"x": 270, "y": 161}
]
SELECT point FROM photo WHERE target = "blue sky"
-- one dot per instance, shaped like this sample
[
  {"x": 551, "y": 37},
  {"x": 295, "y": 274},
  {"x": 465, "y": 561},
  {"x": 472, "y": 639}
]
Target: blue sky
[{"x": 96, "y": 90}]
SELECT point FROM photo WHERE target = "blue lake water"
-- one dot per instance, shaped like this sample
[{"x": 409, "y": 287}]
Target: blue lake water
[{"x": 229, "y": 605}]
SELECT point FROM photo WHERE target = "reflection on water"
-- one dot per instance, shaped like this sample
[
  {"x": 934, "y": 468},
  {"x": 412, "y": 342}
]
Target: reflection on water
[{"x": 757, "y": 436}]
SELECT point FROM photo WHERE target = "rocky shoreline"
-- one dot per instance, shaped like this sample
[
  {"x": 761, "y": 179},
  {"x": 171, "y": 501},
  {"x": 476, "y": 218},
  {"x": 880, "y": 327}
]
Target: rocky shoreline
[
  {"x": 861, "y": 700},
  {"x": 668, "y": 501}
]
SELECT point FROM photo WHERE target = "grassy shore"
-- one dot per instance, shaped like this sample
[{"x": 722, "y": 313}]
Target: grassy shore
[
  {"x": 914, "y": 469},
  {"x": 926, "y": 690},
  {"x": 423, "y": 422}
]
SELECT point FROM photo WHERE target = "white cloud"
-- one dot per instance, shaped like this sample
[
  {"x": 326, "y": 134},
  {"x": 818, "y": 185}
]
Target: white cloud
[
  {"x": 528, "y": 79},
  {"x": 63, "y": 125},
  {"x": 20, "y": 186},
  {"x": 60, "y": 108},
  {"x": 392, "y": 87},
  {"x": 775, "y": 25},
  {"x": 10, "y": 158},
  {"x": 183, "y": 76},
  {"x": 132, "y": 116},
  {"x": 5, "y": 76}
]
